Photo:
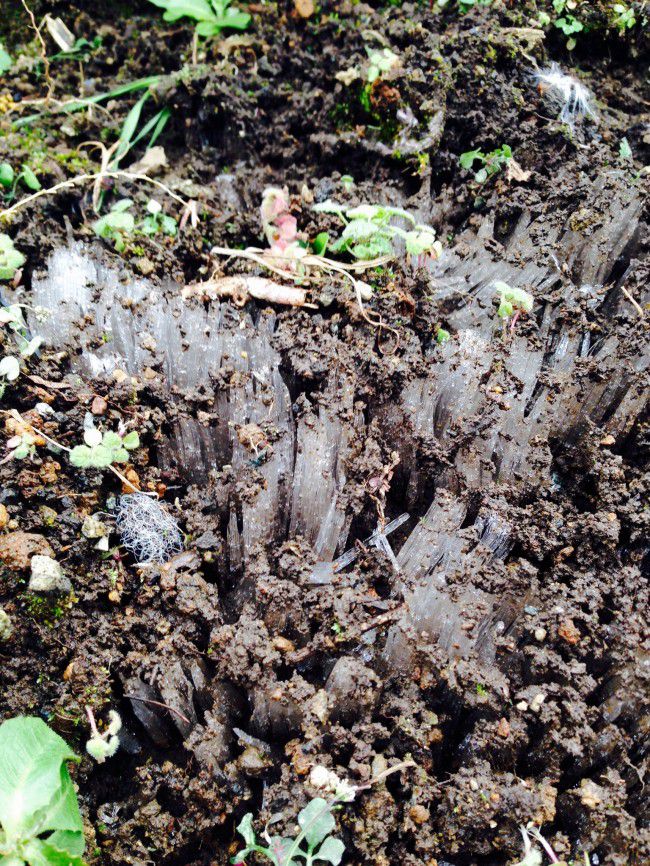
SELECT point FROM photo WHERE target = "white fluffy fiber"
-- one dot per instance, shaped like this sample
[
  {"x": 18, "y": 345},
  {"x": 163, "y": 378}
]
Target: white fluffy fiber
[
  {"x": 148, "y": 531},
  {"x": 565, "y": 93}
]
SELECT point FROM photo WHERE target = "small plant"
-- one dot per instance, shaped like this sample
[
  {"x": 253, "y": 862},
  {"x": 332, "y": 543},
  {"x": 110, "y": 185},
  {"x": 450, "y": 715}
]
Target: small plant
[
  {"x": 12, "y": 318},
  {"x": 103, "y": 449},
  {"x": 568, "y": 23},
  {"x": 102, "y": 746},
  {"x": 380, "y": 62},
  {"x": 147, "y": 530},
  {"x": 513, "y": 302},
  {"x": 280, "y": 227},
  {"x": 9, "y": 180},
  {"x": 313, "y": 844},
  {"x": 39, "y": 816},
  {"x": 212, "y": 15},
  {"x": 491, "y": 163},
  {"x": 116, "y": 225},
  {"x": 369, "y": 232},
  {"x": 10, "y": 259},
  {"x": 624, "y": 17},
  {"x": 565, "y": 94},
  {"x": 157, "y": 222}
]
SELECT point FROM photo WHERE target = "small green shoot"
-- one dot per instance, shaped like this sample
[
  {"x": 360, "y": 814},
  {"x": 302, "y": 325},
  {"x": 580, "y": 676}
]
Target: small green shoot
[
  {"x": 369, "y": 232},
  {"x": 380, "y": 62},
  {"x": 491, "y": 163},
  {"x": 157, "y": 222},
  {"x": 117, "y": 225},
  {"x": 39, "y": 816},
  {"x": 9, "y": 180},
  {"x": 513, "y": 302},
  {"x": 10, "y": 259},
  {"x": 101, "y": 450},
  {"x": 313, "y": 844},
  {"x": 624, "y": 150},
  {"x": 624, "y": 17},
  {"x": 5, "y": 61},
  {"x": 212, "y": 16}
]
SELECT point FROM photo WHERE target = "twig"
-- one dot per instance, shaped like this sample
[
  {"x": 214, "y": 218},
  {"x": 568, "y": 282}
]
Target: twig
[
  {"x": 84, "y": 178},
  {"x": 634, "y": 303},
  {"x": 159, "y": 704},
  {"x": 44, "y": 58}
]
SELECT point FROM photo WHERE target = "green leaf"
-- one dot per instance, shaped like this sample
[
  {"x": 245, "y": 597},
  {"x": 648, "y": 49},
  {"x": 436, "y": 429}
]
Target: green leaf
[
  {"x": 81, "y": 456},
  {"x": 101, "y": 457},
  {"x": 122, "y": 205},
  {"x": 198, "y": 9},
  {"x": 36, "y": 793},
  {"x": 29, "y": 179},
  {"x": 111, "y": 440},
  {"x": 316, "y": 821},
  {"x": 319, "y": 244},
  {"x": 5, "y": 61},
  {"x": 624, "y": 149},
  {"x": 39, "y": 852},
  {"x": 331, "y": 850},
  {"x": 468, "y": 158},
  {"x": 6, "y": 174},
  {"x": 245, "y": 829},
  {"x": 131, "y": 441},
  {"x": 119, "y": 455}
]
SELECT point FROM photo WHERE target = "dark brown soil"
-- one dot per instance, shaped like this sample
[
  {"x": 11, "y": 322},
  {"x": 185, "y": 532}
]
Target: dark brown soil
[{"x": 266, "y": 673}]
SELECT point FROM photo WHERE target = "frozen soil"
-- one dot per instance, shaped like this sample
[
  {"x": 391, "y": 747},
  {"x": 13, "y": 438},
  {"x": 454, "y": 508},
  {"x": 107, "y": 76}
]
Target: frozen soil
[{"x": 508, "y": 656}]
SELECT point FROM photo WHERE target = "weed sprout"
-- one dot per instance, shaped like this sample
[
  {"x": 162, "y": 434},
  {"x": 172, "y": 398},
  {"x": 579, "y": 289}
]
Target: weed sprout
[
  {"x": 148, "y": 531},
  {"x": 102, "y": 746},
  {"x": 565, "y": 94},
  {"x": 513, "y": 302}
]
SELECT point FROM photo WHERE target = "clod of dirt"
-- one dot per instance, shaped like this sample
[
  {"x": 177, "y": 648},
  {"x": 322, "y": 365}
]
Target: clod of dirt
[{"x": 18, "y": 548}]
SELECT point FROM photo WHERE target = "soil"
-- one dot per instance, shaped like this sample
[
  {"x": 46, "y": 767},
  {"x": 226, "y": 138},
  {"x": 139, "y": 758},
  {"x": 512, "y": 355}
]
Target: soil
[{"x": 234, "y": 675}]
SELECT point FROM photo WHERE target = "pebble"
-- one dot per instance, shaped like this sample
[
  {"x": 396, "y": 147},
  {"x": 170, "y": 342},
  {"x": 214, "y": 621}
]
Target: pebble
[
  {"x": 540, "y": 634},
  {"x": 419, "y": 814},
  {"x": 6, "y": 628},
  {"x": 98, "y": 406},
  {"x": 568, "y": 631},
  {"x": 4, "y": 516},
  {"x": 537, "y": 701},
  {"x": 18, "y": 548},
  {"x": 48, "y": 576},
  {"x": 503, "y": 729}
]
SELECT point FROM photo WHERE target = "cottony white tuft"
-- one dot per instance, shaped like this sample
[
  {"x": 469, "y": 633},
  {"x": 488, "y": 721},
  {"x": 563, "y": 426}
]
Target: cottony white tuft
[
  {"x": 565, "y": 93},
  {"x": 147, "y": 530}
]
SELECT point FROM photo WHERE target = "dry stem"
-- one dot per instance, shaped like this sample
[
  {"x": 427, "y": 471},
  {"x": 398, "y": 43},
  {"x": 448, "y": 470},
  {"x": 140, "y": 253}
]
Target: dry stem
[{"x": 43, "y": 52}]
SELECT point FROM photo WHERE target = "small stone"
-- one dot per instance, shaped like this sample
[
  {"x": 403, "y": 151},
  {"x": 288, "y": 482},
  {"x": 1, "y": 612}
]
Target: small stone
[
  {"x": 608, "y": 440},
  {"x": 149, "y": 374},
  {"x": 503, "y": 728},
  {"x": 252, "y": 762},
  {"x": 283, "y": 644},
  {"x": 119, "y": 375},
  {"x": 134, "y": 481},
  {"x": 93, "y": 528},
  {"x": 522, "y": 706},
  {"x": 540, "y": 634},
  {"x": 473, "y": 784},
  {"x": 537, "y": 701},
  {"x": 419, "y": 814},
  {"x": 6, "y": 628},
  {"x": 304, "y": 8},
  {"x": 4, "y": 516},
  {"x": 67, "y": 673},
  {"x": 98, "y": 406},
  {"x": 568, "y": 632},
  {"x": 48, "y": 576},
  {"x": 18, "y": 548},
  {"x": 48, "y": 515},
  {"x": 114, "y": 596},
  {"x": 145, "y": 266}
]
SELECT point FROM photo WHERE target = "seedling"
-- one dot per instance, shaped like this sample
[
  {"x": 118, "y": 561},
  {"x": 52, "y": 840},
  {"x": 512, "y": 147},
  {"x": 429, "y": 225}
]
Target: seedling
[
  {"x": 39, "y": 816},
  {"x": 116, "y": 225},
  {"x": 101, "y": 450},
  {"x": 567, "y": 22},
  {"x": 369, "y": 232},
  {"x": 102, "y": 746},
  {"x": 10, "y": 259},
  {"x": 313, "y": 844},
  {"x": 624, "y": 17},
  {"x": 380, "y": 62},
  {"x": 491, "y": 163},
  {"x": 280, "y": 227},
  {"x": 11, "y": 317},
  {"x": 513, "y": 303},
  {"x": 565, "y": 94},
  {"x": 5, "y": 60},
  {"x": 157, "y": 222},
  {"x": 9, "y": 180},
  {"x": 212, "y": 16}
]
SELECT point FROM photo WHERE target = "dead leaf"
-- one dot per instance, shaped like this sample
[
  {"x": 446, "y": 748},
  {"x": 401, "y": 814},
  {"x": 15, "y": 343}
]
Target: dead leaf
[
  {"x": 515, "y": 172},
  {"x": 152, "y": 162}
]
